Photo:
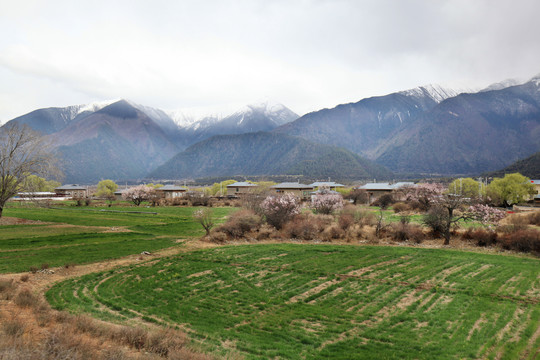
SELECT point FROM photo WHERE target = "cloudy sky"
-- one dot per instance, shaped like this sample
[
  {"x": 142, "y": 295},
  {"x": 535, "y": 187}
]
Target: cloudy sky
[{"x": 216, "y": 55}]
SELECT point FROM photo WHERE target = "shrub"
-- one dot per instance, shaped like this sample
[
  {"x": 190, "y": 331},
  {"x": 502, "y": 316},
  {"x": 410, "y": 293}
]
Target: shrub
[
  {"x": 400, "y": 207},
  {"x": 13, "y": 327},
  {"x": 265, "y": 232},
  {"x": 483, "y": 237},
  {"x": 199, "y": 199},
  {"x": 301, "y": 227},
  {"x": 163, "y": 341},
  {"x": 333, "y": 232},
  {"x": 515, "y": 222},
  {"x": 365, "y": 217},
  {"x": 6, "y": 286},
  {"x": 404, "y": 231},
  {"x": 134, "y": 337},
  {"x": 218, "y": 237},
  {"x": 239, "y": 223},
  {"x": 435, "y": 219},
  {"x": 279, "y": 209},
  {"x": 25, "y": 298},
  {"x": 534, "y": 218},
  {"x": 384, "y": 201},
  {"x": 345, "y": 220},
  {"x": 326, "y": 203},
  {"x": 358, "y": 196},
  {"x": 527, "y": 240}
]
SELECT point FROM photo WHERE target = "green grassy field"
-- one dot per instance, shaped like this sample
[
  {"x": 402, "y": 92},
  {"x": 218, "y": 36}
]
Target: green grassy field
[
  {"x": 292, "y": 301},
  {"x": 74, "y": 235}
]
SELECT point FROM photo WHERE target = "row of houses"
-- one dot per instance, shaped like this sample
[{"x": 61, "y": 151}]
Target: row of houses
[
  {"x": 236, "y": 189},
  {"x": 301, "y": 190}
]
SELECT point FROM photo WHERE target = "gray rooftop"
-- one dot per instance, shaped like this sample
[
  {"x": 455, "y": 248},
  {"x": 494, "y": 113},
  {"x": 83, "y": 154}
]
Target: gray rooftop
[
  {"x": 71, "y": 187},
  {"x": 291, "y": 185},
  {"x": 326, "y": 183},
  {"x": 172, "y": 188},
  {"x": 242, "y": 184},
  {"x": 386, "y": 186}
]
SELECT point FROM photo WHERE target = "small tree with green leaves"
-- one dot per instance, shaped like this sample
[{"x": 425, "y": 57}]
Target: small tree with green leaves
[
  {"x": 512, "y": 189},
  {"x": 106, "y": 188}
]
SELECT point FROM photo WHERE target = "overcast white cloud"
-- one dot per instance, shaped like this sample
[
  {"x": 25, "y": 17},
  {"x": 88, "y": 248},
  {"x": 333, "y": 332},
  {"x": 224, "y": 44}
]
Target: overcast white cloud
[{"x": 306, "y": 54}]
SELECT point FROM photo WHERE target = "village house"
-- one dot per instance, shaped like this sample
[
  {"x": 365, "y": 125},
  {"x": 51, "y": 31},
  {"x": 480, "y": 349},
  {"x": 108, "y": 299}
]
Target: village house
[
  {"x": 326, "y": 184},
  {"x": 240, "y": 188},
  {"x": 301, "y": 190},
  {"x": 536, "y": 195},
  {"x": 376, "y": 190},
  {"x": 171, "y": 191},
  {"x": 71, "y": 190}
]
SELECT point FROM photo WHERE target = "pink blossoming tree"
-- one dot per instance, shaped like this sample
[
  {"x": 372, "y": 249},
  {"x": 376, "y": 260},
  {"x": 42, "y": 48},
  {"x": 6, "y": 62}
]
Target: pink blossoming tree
[
  {"x": 279, "y": 209},
  {"x": 326, "y": 203},
  {"x": 138, "y": 194}
]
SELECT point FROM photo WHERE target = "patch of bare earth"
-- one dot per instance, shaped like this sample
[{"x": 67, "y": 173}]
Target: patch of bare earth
[{"x": 5, "y": 220}]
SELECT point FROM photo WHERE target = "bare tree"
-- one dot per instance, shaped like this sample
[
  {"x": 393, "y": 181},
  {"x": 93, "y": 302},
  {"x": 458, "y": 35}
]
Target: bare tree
[
  {"x": 205, "y": 218},
  {"x": 445, "y": 214},
  {"x": 23, "y": 152}
]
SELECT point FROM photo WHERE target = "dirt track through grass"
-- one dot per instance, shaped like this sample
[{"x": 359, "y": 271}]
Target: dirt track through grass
[{"x": 326, "y": 301}]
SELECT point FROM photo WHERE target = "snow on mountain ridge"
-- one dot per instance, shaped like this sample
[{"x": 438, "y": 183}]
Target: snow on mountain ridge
[
  {"x": 502, "y": 85},
  {"x": 434, "y": 91}
]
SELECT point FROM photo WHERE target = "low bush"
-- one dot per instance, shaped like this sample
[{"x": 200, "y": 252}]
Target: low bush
[
  {"x": 164, "y": 341},
  {"x": 13, "y": 327},
  {"x": 534, "y": 218},
  {"x": 240, "y": 223},
  {"x": 301, "y": 227},
  {"x": 527, "y": 240},
  {"x": 333, "y": 232},
  {"x": 218, "y": 237},
  {"x": 345, "y": 220},
  {"x": 383, "y": 201},
  {"x": 435, "y": 220},
  {"x": 400, "y": 207},
  {"x": 7, "y": 288},
  {"x": 25, "y": 298},
  {"x": 482, "y": 237},
  {"x": 265, "y": 232},
  {"x": 404, "y": 231},
  {"x": 516, "y": 222}
]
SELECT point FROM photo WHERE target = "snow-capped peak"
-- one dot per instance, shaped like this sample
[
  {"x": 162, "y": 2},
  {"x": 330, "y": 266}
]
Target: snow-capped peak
[
  {"x": 434, "y": 91},
  {"x": 536, "y": 80},
  {"x": 95, "y": 106},
  {"x": 502, "y": 85}
]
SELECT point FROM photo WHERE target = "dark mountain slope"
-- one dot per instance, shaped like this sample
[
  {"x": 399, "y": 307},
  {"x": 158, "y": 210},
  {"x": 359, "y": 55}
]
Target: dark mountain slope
[
  {"x": 266, "y": 153},
  {"x": 362, "y": 126},
  {"x": 529, "y": 167},
  {"x": 118, "y": 141},
  {"x": 469, "y": 133}
]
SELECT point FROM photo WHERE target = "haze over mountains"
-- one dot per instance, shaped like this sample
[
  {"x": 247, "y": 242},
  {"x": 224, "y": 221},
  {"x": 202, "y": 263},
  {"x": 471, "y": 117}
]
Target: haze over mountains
[{"x": 427, "y": 130}]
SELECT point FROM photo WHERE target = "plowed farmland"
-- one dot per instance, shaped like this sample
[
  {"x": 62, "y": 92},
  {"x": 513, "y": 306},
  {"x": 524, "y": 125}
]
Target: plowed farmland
[{"x": 294, "y": 301}]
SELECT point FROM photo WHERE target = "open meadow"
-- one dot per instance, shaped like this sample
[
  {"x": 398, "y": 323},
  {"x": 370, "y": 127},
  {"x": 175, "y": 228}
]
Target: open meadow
[
  {"x": 281, "y": 300},
  {"x": 80, "y": 235},
  {"x": 293, "y": 301}
]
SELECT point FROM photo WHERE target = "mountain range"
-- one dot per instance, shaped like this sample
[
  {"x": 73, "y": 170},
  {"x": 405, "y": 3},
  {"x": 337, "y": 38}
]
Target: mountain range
[{"x": 426, "y": 130}]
